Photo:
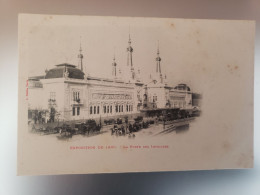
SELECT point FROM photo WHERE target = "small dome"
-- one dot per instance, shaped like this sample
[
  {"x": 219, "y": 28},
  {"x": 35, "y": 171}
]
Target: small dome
[
  {"x": 182, "y": 87},
  {"x": 60, "y": 69}
]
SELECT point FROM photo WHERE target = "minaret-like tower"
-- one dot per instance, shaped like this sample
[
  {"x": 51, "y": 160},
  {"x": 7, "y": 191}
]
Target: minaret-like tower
[
  {"x": 114, "y": 67},
  {"x": 80, "y": 56},
  {"x": 130, "y": 58},
  {"x": 158, "y": 64}
]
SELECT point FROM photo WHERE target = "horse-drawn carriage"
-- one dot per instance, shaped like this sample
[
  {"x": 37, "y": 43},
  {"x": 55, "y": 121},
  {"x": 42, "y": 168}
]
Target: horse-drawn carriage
[
  {"x": 109, "y": 121},
  {"x": 65, "y": 132},
  {"x": 176, "y": 114},
  {"x": 91, "y": 127},
  {"x": 118, "y": 130}
]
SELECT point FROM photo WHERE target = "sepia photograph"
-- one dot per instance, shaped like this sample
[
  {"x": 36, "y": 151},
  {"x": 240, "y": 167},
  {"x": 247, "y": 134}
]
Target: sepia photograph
[
  {"x": 98, "y": 94},
  {"x": 112, "y": 95}
]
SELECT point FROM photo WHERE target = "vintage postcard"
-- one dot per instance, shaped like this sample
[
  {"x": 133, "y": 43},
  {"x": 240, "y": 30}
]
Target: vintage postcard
[{"x": 128, "y": 94}]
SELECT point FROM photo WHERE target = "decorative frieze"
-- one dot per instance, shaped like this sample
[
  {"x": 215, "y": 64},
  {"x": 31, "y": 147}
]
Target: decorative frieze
[{"x": 100, "y": 96}]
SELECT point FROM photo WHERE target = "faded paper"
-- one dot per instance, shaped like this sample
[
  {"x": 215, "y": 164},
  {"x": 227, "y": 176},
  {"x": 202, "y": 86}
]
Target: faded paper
[{"x": 191, "y": 82}]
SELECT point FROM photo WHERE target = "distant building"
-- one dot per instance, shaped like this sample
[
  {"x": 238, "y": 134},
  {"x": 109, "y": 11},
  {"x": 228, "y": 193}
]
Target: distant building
[{"x": 160, "y": 95}]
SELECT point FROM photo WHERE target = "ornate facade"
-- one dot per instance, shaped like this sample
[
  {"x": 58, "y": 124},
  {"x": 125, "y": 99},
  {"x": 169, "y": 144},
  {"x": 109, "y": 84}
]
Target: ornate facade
[{"x": 66, "y": 93}]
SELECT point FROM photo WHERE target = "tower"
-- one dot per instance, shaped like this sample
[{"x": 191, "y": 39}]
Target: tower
[
  {"x": 80, "y": 56},
  {"x": 158, "y": 64},
  {"x": 114, "y": 67},
  {"x": 130, "y": 58}
]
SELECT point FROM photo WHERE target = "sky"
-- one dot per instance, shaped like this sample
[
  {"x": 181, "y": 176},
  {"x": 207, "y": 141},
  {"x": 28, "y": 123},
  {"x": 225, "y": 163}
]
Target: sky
[{"x": 186, "y": 46}]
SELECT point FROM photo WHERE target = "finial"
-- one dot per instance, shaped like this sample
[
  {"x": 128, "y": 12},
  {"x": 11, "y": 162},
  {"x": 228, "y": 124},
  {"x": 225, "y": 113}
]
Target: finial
[
  {"x": 158, "y": 47},
  {"x": 114, "y": 54},
  {"x": 80, "y": 49},
  {"x": 129, "y": 40}
]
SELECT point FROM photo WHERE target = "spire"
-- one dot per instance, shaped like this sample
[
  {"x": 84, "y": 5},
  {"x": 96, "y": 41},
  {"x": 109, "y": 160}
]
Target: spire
[
  {"x": 114, "y": 67},
  {"x": 80, "y": 56},
  {"x": 130, "y": 58},
  {"x": 129, "y": 40},
  {"x": 130, "y": 51},
  {"x": 158, "y": 60},
  {"x": 158, "y": 63}
]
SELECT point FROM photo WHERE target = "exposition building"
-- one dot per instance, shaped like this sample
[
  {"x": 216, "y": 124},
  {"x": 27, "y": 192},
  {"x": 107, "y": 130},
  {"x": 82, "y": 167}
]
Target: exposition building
[{"x": 66, "y": 93}]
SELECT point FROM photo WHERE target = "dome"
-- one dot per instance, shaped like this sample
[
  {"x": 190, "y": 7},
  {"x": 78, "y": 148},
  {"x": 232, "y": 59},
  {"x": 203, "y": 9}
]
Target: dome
[
  {"x": 60, "y": 69},
  {"x": 182, "y": 87}
]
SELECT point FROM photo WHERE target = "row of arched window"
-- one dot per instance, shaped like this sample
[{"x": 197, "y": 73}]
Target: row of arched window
[
  {"x": 109, "y": 108},
  {"x": 94, "y": 110},
  {"x": 129, "y": 108}
]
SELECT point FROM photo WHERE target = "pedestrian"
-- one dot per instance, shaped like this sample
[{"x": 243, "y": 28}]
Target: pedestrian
[
  {"x": 130, "y": 128},
  {"x": 123, "y": 129}
]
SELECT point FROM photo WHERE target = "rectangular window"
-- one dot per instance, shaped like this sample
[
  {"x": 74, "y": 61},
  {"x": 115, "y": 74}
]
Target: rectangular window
[
  {"x": 76, "y": 96},
  {"x": 154, "y": 98},
  {"x": 73, "y": 111}
]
